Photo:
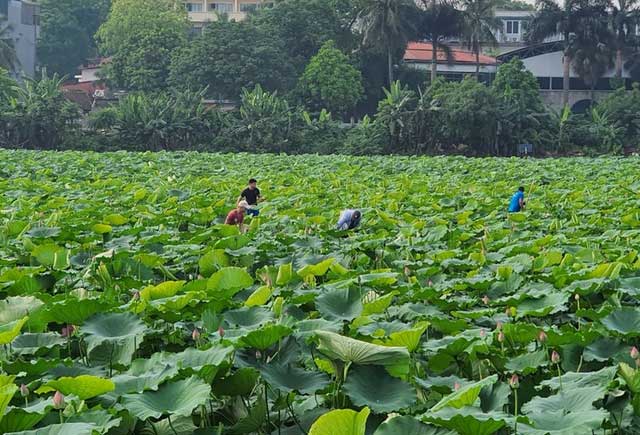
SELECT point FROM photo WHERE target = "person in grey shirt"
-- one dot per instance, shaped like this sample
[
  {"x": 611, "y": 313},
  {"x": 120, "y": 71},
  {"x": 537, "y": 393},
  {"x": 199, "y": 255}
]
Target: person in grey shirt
[{"x": 349, "y": 219}]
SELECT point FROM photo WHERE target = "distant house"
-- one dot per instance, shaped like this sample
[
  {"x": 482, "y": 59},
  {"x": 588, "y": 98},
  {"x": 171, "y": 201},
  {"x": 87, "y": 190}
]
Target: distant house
[
  {"x": 419, "y": 55},
  {"x": 23, "y": 19},
  {"x": 89, "y": 90},
  {"x": 202, "y": 12}
]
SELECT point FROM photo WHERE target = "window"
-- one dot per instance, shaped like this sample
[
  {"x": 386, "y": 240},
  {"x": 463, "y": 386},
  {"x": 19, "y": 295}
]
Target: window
[
  {"x": 4, "y": 7},
  {"x": 513, "y": 27},
  {"x": 223, "y": 8},
  {"x": 194, "y": 7},
  {"x": 248, "y": 7},
  {"x": 544, "y": 82},
  {"x": 30, "y": 14}
]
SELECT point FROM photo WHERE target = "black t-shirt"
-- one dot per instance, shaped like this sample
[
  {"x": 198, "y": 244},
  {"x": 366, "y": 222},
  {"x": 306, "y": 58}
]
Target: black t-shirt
[{"x": 251, "y": 195}]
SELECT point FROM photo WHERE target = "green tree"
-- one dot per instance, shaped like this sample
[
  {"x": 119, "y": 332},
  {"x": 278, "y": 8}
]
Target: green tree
[
  {"x": 230, "y": 56},
  {"x": 480, "y": 26},
  {"x": 8, "y": 58},
  {"x": 331, "y": 82},
  {"x": 389, "y": 25},
  {"x": 8, "y": 87},
  {"x": 440, "y": 21},
  {"x": 67, "y": 32},
  {"x": 140, "y": 36},
  {"x": 304, "y": 25}
]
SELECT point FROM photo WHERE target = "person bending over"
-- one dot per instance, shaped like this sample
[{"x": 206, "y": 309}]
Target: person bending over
[
  {"x": 517, "y": 201},
  {"x": 349, "y": 219}
]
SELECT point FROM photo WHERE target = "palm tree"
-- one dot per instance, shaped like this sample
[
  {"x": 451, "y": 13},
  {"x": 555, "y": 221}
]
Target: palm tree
[
  {"x": 480, "y": 25},
  {"x": 550, "y": 20},
  {"x": 440, "y": 20},
  {"x": 389, "y": 24},
  {"x": 624, "y": 18},
  {"x": 8, "y": 58}
]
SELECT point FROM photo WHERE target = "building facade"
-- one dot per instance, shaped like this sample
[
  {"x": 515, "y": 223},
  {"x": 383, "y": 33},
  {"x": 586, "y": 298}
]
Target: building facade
[
  {"x": 23, "y": 19},
  {"x": 204, "y": 11}
]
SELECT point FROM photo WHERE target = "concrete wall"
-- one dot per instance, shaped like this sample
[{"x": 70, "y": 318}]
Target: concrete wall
[
  {"x": 21, "y": 17},
  {"x": 554, "y": 98}
]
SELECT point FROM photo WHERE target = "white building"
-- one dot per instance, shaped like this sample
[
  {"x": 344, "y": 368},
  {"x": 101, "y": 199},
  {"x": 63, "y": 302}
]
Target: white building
[{"x": 23, "y": 18}]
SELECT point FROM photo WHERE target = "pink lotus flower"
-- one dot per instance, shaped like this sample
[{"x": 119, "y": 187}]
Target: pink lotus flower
[
  {"x": 68, "y": 331},
  {"x": 555, "y": 357},
  {"x": 634, "y": 352},
  {"x": 195, "y": 334},
  {"x": 514, "y": 382},
  {"x": 221, "y": 331},
  {"x": 542, "y": 337},
  {"x": 58, "y": 400},
  {"x": 456, "y": 386},
  {"x": 136, "y": 296},
  {"x": 501, "y": 337},
  {"x": 24, "y": 390},
  {"x": 485, "y": 300}
]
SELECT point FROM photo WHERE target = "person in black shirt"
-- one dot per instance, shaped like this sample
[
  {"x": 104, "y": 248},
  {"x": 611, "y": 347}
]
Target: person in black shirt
[{"x": 252, "y": 195}]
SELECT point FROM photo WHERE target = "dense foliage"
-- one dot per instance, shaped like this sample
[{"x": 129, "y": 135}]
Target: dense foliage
[{"x": 128, "y": 308}]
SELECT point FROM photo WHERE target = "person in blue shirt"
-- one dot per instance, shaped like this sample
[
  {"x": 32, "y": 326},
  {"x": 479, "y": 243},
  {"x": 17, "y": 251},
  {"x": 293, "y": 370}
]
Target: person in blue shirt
[
  {"x": 349, "y": 219},
  {"x": 517, "y": 201}
]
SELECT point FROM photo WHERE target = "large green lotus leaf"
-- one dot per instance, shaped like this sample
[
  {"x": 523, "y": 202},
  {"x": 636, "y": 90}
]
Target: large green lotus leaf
[
  {"x": 494, "y": 397},
  {"x": 18, "y": 419},
  {"x": 308, "y": 328},
  {"x": 228, "y": 281},
  {"x": 409, "y": 338},
  {"x": 149, "y": 380},
  {"x": 16, "y": 307},
  {"x": 102, "y": 420},
  {"x": 341, "y": 422},
  {"x": 177, "y": 426},
  {"x": 30, "y": 344},
  {"x": 175, "y": 304},
  {"x": 346, "y": 349},
  {"x": 528, "y": 363},
  {"x": 576, "y": 399},
  {"x": 631, "y": 377},
  {"x": 85, "y": 386},
  {"x": 386, "y": 394},
  {"x": 468, "y": 420},
  {"x": 379, "y": 279},
  {"x": 340, "y": 304},
  {"x": 43, "y": 232},
  {"x": 174, "y": 398},
  {"x": 61, "y": 429},
  {"x": 233, "y": 242},
  {"x": 204, "y": 363},
  {"x": 285, "y": 274},
  {"x": 166, "y": 289},
  {"x": 213, "y": 261},
  {"x": 602, "y": 378},
  {"x": 116, "y": 335},
  {"x": 625, "y": 320},
  {"x": 407, "y": 425},
  {"x": 604, "y": 349},
  {"x": 465, "y": 396},
  {"x": 318, "y": 269},
  {"x": 248, "y": 317},
  {"x": 378, "y": 305},
  {"x": 562, "y": 423},
  {"x": 265, "y": 337},
  {"x": 290, "y": 378},
  {"x": 630, "y": 286},
  {"x": 9, "y": 331},
  {"x": 252, "y": 422},
  {"x": 239, "y": 383},
  {"x": 7, "y": 390},
  {"x": 259, "y": 297},
  {"x": 544, "y": 306},
  {"x": 74, "y": 311},
  {"x": 52, "y": 255}
]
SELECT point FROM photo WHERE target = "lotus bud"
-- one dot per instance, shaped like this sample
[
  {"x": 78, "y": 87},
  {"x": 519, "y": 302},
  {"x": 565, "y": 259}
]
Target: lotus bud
[
  {"x": 430, "y": 283},
  {"x": 195, "y": 334},
  {"x": 136, "y": 296},
  {"x": 258, "y": 354},
  {"x": 24, "y": 390},
  {"x": 456, "y": 386},
  {"x": 555, "y": 357},
  {"x": 501, "y": 337},
  {"x": 221, "y": 331},
  {"x": 67, "y": 331},
  {"x": 483, "y": 333},
  {"x": 407, "y": 271},
  {"x": 576, "y": 297},
  {"x": 58, "y": 400},
  {"x": 485, "y": 300},
  {"x": 542, "y": 337},
  {"x": 498, "y": 326},
  {"x": 634, "y": 352},
  {"x": 514, "y": 382}
]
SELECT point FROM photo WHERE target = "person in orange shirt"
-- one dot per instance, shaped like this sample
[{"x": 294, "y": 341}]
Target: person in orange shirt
[{"x": 236, "y": 216}]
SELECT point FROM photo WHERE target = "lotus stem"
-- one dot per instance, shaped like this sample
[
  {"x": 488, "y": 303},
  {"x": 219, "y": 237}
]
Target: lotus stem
[
  {"x": 61, "y": 417},
  {"x": 515, "y": 397},
  {"x": 293, "y": 415},
  {"x": 171, "y": 426}
]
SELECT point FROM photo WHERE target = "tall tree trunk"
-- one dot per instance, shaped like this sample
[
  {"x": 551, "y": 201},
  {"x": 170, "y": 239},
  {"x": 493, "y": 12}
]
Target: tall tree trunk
[
  {"x": 478, "y": 64},
  {"x": 619, "y": 62},
  {"x": 390, "y": 64},
  {"x": 434, "y": 60},
  {"x": 566, "y": 77}
]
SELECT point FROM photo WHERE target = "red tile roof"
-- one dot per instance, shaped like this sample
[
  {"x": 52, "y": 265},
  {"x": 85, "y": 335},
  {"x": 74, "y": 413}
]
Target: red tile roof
[{"x": 423, "y": 51}]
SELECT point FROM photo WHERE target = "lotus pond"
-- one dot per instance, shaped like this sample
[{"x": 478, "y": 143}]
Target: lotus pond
[{"x": 127, "y": 307}]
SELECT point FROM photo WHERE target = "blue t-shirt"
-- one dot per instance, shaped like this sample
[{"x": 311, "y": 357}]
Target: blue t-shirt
[{"x": 514, "y": 205}]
